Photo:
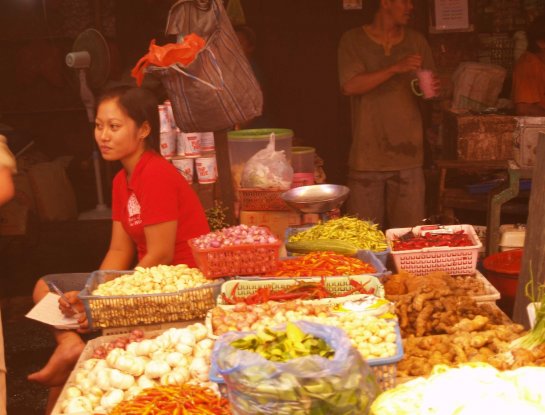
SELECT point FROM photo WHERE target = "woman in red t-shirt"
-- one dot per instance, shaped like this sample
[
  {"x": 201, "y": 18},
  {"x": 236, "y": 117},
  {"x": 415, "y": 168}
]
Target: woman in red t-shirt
[{"x": 154, "y": 211}]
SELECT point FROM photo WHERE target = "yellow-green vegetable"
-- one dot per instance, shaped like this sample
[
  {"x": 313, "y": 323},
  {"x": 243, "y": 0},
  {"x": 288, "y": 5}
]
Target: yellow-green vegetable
[
  {"x": 305, "y": 247},
  {"x": 363, "y": 234}
]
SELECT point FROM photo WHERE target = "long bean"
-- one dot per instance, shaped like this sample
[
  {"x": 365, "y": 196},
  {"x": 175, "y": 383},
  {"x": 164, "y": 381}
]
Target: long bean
[{"x": 363, "y": 234}]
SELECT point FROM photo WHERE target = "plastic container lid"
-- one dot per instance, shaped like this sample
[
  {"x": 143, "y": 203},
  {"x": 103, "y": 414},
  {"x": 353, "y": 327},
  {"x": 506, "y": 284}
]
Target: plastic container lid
[
  {"x": 302, "y": 150},
  {"x": 259, "y": 134},
  {"x": 507, "y": 262}
]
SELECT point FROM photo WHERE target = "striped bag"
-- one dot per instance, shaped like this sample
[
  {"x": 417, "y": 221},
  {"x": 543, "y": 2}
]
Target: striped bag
[{"x": 218, "y": 89}]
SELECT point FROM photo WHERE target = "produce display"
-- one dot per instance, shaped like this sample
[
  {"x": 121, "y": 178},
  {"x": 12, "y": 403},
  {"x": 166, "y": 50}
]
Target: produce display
[
  {"x": 338, "y": 383},
  {"x": 322, "y": 264},
  {"x": 153, "y": 280},
  {"x": 175, "y": 357},
  {"x": 429, "y": 311},
  {"x": 281, "y": 346},
  {"x": 183, "y": 399},
  {"x": 374, "y": 337},
  {"x": 315, "y": 334},
  {"x": 473, "y": 389},
  {"x": 234, "y": 236},
  {"x": 411, "y": 241},
  {"x": 361, "y": 234},
  {"x": 301, "y": 290},
  {"x": 405, "y": 282},
  {"x": 147, "y": 296}
]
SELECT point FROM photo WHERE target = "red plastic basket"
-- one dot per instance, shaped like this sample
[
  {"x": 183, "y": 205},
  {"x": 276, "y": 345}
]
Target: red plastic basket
[
  {"x": 454, "y": 260},
  {"x": 236, "y": 260},
  {"x": 261, "y": 199}
]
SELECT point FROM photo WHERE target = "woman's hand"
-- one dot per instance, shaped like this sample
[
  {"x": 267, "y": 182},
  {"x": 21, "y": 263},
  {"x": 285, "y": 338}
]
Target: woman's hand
[{"x": 74, "y": 308}]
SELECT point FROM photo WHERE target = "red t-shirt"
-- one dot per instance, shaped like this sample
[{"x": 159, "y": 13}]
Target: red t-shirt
[{"x": 157, "y": 193}]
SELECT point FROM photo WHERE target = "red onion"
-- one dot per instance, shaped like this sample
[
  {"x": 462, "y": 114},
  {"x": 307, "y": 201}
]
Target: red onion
[{"x": 234, "y": 236}]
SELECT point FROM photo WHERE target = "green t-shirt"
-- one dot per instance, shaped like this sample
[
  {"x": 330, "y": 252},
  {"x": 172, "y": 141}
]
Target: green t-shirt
[{"x": 386, "y": 121}]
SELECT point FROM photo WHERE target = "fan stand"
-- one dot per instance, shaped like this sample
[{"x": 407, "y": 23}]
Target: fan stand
[{"x": 101, "y": 211}]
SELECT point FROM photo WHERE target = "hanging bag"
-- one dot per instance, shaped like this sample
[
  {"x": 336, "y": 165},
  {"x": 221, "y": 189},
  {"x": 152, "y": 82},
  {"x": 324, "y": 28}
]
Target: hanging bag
[{"x": 218, "y": 89}]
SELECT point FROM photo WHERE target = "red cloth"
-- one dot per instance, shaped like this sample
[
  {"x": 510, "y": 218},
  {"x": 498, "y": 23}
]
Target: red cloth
[
  {"x": 157, "y": 193},
  {"x": 182, "y": 53},
  {"x": 529, "y": 80}
]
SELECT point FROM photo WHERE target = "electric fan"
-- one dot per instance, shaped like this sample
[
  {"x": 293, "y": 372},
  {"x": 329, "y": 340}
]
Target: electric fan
[{"x": 90, "y": 57}]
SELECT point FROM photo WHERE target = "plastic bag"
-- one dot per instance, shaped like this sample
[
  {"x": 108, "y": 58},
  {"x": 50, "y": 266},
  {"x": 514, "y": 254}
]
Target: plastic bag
[
  {"x": 313, "y": 385},
  {"x": 172, "y": 53},
  {"x": 267, "y": 169}
]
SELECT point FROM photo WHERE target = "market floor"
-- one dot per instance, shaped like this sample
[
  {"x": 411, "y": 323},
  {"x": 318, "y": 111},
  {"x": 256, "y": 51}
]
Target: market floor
[{"x": 61, "y": 247}]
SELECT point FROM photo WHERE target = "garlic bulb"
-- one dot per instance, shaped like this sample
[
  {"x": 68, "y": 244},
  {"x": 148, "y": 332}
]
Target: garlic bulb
[
  {"x": 175, "y": 359},
  {"x": 203, "y": 349},
  {"x": 144, "y": 382},
  {"x": 112, "y": 357},
  {"x": 120, "y": 380},
  {"x": 132, "y": 392},
  {"x": 156, "y": 369},
  {"x": 184, "y": 349},
  {"x": 178, "y": 376},
  {"x": 101, "y": 364},
  {"x": 199, "y": 369},
  {"x": 132, "y": 348},
  {"x": 78, "y": 405},
  {"x": 146, "y": 347},
  {"x": 90, "y": 363},
  {"x": 94, "y": 399},
  {"x": 72, "y": 392},
  {"x": 186, "y": 337},
  {"x": 100, "y": 410},
  {"x": 95, "y": 390},
  {"x": 103, "y": 379},
  {"x": 199, "y": 330},
  {"x": 111, "y": 398},
  {"x": 85, "y": 385},
  {"x": 81, "y": 374}
]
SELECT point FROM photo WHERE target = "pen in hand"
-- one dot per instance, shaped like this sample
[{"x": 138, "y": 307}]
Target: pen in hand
[{"x": 58, "y": 291}]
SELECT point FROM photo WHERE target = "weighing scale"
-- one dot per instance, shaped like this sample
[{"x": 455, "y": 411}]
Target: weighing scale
[{"x": 318, "y": 198}]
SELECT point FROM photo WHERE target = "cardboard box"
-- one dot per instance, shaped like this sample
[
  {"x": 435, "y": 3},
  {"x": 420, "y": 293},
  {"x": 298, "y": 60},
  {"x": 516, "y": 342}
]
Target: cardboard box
[{"x": 276, "y": 221}]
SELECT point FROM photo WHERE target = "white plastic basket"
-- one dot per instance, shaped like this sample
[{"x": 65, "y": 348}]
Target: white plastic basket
[{"x": 454, "y": 260}]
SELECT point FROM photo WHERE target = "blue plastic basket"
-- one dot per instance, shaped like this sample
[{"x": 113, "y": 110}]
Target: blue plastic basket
[
  {"x": 385, "y": 369},
  {"x": 144, "y": 309}
]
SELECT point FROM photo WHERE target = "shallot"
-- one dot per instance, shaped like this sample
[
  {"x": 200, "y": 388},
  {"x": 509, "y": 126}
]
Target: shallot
[{"x": 235, "y": 235}]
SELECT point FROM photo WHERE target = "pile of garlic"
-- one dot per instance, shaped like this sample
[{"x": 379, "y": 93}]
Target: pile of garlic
[
  {"x": 153, "y": 280},
  {"x": 175, "y": 357}
]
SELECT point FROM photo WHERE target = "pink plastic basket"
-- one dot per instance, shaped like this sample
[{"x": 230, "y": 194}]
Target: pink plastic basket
[
  {"x": 236, "y": 260},
  {"x": 455, "y": 261}
]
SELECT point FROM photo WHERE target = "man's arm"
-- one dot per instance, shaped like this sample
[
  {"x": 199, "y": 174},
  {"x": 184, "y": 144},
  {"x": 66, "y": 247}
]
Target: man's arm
[{"x": 367, "y": 81}]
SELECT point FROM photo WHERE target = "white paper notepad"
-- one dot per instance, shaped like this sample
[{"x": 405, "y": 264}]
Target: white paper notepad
[{"x": 47, "y": 311}]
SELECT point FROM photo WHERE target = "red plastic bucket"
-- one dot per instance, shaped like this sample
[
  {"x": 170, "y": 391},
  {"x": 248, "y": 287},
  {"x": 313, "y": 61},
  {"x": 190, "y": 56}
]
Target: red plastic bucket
[{"x": 502, "y": 270}]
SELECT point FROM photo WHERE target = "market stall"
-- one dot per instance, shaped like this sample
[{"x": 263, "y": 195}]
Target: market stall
[{"x": 328, "y": 330}]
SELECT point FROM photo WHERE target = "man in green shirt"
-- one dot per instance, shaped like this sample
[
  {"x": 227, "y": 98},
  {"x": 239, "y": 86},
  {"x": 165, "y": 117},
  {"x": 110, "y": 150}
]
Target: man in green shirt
[{"x": 377, "y": 63}]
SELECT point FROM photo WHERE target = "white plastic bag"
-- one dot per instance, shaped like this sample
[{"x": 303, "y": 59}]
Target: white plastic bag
[{"x": 268, "y": 169}]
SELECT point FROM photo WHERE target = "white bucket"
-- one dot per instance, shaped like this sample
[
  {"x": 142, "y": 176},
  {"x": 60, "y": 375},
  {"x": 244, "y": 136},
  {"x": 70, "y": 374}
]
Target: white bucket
[
  {"x": 188, "y": 144},
  {"x": 207, "y": 170},
  {"x": 167, "y": 143},
  {"x": 185, "y": 166},
  {"x": 207, "y": 141}
]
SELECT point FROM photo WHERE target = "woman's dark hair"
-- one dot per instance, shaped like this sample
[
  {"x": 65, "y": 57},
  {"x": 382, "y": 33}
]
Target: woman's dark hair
[
  {"x": 140, "y": 105},
  {"x": 536, "y": 32}
]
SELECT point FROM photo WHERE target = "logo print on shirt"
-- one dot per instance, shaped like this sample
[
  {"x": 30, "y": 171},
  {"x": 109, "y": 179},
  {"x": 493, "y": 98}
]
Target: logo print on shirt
[{"x": 134, "y": 210}]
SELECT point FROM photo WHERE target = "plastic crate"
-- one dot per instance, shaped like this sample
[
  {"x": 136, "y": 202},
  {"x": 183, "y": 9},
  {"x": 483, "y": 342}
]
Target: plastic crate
[
  {"x": 337, "y": 285},
  {"x": 144, "y": 309},
  {"x": 261, "y": 199},
  {"x": 382, "y": 256},
  {"x": 454, "y": 260},
  {"x": 236, "y": 260},
  {"x": 384, "y": 369}
]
